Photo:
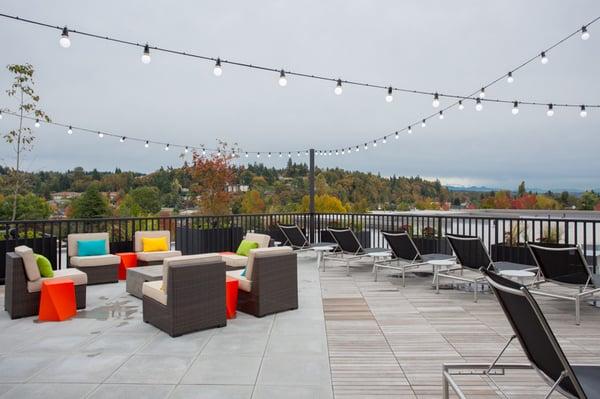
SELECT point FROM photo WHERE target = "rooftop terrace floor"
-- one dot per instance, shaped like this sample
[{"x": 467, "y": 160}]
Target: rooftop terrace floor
[{"x": 350, "y": 338}]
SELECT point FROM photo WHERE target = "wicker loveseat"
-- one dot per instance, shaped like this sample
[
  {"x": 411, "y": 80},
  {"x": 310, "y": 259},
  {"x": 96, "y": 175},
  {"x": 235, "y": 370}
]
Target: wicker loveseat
[{"x": 270, "y": 284}]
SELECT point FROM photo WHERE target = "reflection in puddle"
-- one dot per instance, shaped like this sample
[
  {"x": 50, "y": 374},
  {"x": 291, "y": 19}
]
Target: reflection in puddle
[{"x": 117, "y": 309}]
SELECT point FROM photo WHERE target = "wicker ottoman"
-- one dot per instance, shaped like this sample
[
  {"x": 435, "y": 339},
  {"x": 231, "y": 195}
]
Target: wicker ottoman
[{"x": 137, "y": 276}]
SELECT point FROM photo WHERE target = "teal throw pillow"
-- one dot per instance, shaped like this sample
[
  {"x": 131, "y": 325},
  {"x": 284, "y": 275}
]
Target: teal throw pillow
[
  {"x": 44, "y": 265},
  {"x": 91, "y": 247}
]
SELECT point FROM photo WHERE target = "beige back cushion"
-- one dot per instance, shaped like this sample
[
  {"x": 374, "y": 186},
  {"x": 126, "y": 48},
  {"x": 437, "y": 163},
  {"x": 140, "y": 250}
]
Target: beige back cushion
[
  {"x": 31, "y": 267},
  {"x": 186, "y": 260},
  {"x": 138, "y": 247},
  {"x": 264, "y": 253},
  {"x": 262, "y": 239},
  {"x": 73, "y": 238}
]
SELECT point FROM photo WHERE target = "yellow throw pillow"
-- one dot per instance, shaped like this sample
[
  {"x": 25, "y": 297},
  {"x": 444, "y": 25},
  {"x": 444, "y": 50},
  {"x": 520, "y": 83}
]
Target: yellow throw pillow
[{"x": 154, "y": 244}]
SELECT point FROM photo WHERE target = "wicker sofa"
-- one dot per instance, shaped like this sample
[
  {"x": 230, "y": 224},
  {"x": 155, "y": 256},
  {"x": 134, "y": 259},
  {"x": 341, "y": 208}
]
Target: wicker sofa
[
  {"x": 270, "y": 284},
  {"x": 22, "y": 294},
  {"x": 156, "y": 257},
  {"x": 100, "y": 269},
  {"x": 191, "y": 296}
]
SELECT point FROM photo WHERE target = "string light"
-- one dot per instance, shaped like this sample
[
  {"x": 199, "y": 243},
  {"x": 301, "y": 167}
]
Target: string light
[
  {"x": 461, "y": 106},
  {"x": 478, "y": 105},
  {"x": 543, "y": 58},
  {"x": 282, "y": 79},
  {"x": 550, "y": 111},
  {"x": 289, "y": 154},
  {"x": 146, "y": 55},
  {"x": 423, "y": 124},
  {"x": 436, "y": 101},
  {"x": 64, "y": 40},
  {"x": 338, "y": 87},
  {"x": 357, "y": 149},
  {"x": 409, "y": 131},
  {"x": 246, "y": 154},
  {"x": 482, "y": 93},
  {"x": 0, "y": 114},
  {"x": 147, "y": 144},
  {"x": 583, "y": 112},
  {"x": 510, "y": 78},
  {"x": 337, "y": 152},
  {"x": 37, "y": 123},
  {"x": 167, "y": 147},
  {"x": 258, "y": 155},
  {"x": 298, "y": 153},
  {"x": 217, "y": 70},
  {"x": 441, "y": 115},
  {"x": 343, "y": 151},
  {"x": 186, "y": 150},
  {"x": 374, "y": 143},
  {"x": 279, "y": 155},
  {"x": 515, "y": 109},
  {"x": 122, "y": 139},
  {"x": 204, "y": 151},
  {"x": 584, "y": 33},
  {"x": 100, "y": 134},
  {"x": 70, "y": 131},
  {"x": 396, "y": 136},
  {"x": 384, "y": 140},
  {"x": 269, "y": 155},
  {"x": 389, "y": 98}
]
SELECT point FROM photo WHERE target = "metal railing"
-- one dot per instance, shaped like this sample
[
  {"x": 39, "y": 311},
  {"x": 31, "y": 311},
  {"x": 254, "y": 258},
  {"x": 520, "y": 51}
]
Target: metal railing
[{"x": 504, "y": 236}]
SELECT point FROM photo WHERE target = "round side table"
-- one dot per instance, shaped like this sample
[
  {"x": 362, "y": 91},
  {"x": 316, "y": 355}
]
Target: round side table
[
  {"x": 320, "y": 251},
  {"x": 518, "y": 275}
]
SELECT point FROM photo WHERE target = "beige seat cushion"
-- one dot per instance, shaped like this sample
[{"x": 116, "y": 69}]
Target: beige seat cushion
[
  {"x": 262, "y": 239},
  {"x": 78, "y": 277},
  {"x": 153, "y": 289},
  {"x": 137, "y": 239},
  {"x": 243, "y": 283},
  {"x": 157, "y": 255},
  {"x": 31, "y": 267},
  {"x": 234, "y": 260},
  {"x": 98, "y": 260},
  {"x": 186, "y": 260},
  {"x": 264, "y": 253},
  {"x": 73, "y": 238}
]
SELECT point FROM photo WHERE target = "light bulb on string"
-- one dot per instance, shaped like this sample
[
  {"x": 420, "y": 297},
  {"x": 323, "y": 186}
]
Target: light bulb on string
[
  {"x": 461, "y": 106},
  {"x": 357, "y": 149},
  {"x": 389, "y": 97},
  {"x": 396, "y": 136},
  {"x": 515, "y": 109},
  {"x": 0, "y": 114},
  {"x": 343, "y": 151},
  {"x": 167, "y": 147},
  {"x": 306, "y": 153},
  {"x": 374, "y": 143},
  {"x": 482, "y": 92},
  {"x": 384, "y": 140},
  {"x": 550, "y": 111},
  {"x": 510, "y": 78},
  {"x": 217, "y": 70},
  {"x": 122, "y": 139},
  {"x": 70, "y": 131},
  {"x": 204, "y": 151},
  {"x": 584, "y": 33},
  {"x": 423, "y": 124},
  {"x": 146, "y": 144},
  {"x": 583, "y": 112},
  {"x": 186, "y": 150},
  {"x": 337, "y": 152},
  {"x": 279, "y": 155},
  {"x": 366, "y": 147},
  {"x": 543, "y": 58},
  {"x": 282, "y": 79},
  {"x": 100, "y": 134},
  {"x": 269, "y": 155},
  {"x": 37, "y": 123},
  {"x": 64, "y": 40},
  {"x": 436, "y": 101},
  {"x": 338, "y": 87},
  {"x": 289, "y": 154},
  {"x": 441, "y": 116},
  {"x": 478, "y": 105},
  {"x": 246, "y": 155},
  {"x": 298, "y": 153},
  {"x": 409, "y": 130},
  {"x": 146, "y": 55}
]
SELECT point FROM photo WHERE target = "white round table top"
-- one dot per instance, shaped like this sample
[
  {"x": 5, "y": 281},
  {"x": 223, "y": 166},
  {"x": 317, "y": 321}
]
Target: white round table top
[
  {"x": 324, "y": 248},
  {"x": 379, "y": 254},
  {"x": 442, "y": 262},
  {"x": 516, "y": 273}
]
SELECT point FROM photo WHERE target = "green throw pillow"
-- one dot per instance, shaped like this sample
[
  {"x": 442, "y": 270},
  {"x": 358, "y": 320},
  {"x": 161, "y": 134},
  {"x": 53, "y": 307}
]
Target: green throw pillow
[
  {"x": 44, "y": 265},
  {"x": 245, "y": 247}
]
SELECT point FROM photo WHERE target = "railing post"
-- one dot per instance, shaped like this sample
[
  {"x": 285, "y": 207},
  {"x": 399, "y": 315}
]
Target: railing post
[{"x": 311, "y": 194}]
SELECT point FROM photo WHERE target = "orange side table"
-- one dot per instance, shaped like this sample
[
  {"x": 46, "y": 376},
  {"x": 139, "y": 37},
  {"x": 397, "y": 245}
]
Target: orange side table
[
  {"x": 128, "y": 259},
  {"x": 57, "y": 300},
  {"x": 231, "y": 296}
]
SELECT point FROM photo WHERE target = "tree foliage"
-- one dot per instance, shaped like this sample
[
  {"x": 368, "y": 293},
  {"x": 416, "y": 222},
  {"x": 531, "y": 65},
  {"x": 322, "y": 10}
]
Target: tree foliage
[{"x": 91, "y": 204}]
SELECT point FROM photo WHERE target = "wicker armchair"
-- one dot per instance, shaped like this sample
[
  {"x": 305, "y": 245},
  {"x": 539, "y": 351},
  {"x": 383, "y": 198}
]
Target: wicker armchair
[
  {"x": 191, "y": 296},
  {"x": 101, "y": 269},
  {"x": 271, "y": 281},
  {"x": 22, "y": 296}
]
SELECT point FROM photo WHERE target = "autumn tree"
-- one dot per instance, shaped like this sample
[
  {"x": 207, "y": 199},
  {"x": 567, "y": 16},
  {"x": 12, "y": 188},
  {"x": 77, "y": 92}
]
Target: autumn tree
[
  {"x": 253, "y": 203},
  {"x": 22, "y": 88}
]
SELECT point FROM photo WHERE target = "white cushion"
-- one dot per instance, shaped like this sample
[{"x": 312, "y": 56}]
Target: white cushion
[
  {"x": 137, "y": 239},
  {"x": 153, "y": 289},
  {"x": 263, "y": 240},
  {"x": 78, "y": 277},
  {"x": 31, "y": 267},
  {"x": 243, "y": 283},
  {"x": 264, "y": 253},
  {"x": 234, "y": 260},
  {"x": 186, "y": 260},
  {"x": 156, "y": 255},
  {"x": 97, "y": 260},
  {"x": 72, "y": 239}
]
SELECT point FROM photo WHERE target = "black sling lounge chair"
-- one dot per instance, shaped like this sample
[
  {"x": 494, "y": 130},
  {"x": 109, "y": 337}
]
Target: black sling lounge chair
[
  {"x": 541, "y": 347},
  {"x": 472, "y": 256},
  {"x": 349, "y": 248},
  {"x": 297, "y": 240},
  {"x": 406, "y": 255},
  {"x": 565, "y": 266}
]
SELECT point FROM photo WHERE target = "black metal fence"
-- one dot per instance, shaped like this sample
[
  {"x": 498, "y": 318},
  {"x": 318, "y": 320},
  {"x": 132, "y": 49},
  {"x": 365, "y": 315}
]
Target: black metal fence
[{"x": 504, "y": 236}]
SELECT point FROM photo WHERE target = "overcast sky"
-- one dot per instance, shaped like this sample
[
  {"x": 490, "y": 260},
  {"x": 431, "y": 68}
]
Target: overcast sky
[{"x": 430, "y": 45}]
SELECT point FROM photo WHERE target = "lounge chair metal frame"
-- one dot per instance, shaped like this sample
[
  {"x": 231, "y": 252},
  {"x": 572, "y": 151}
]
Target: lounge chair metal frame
[
  {"x": 566, "y": 374},
  {"x": 344, "y": 255},
  {"x": 584, "y": 289},
  {"x": 294, "y": 241},
  {"x": 399, "y": 263}
]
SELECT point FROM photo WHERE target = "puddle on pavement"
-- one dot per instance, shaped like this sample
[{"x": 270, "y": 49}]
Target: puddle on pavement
[{"x": 122, "y": 309}]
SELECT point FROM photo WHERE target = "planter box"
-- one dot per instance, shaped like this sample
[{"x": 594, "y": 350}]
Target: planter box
[
  {"x": 364, "y": 237},
  {"x": 506, "y": 253},
  {"x": 46, "y": 246},
  {"x": 432, "y": 245},
  {"x": 199, "y": 241}
]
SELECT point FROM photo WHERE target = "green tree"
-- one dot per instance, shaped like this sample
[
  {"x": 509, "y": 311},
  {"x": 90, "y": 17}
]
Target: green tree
[
  {"x": 29, "y": 207},
  {"x": 141, "y": 201},
  {"x": 588, "y": 200},
  {"x": 22, "y": 138},
  {"x": 91, "y": 204},
  {"x": 521, "y": 191}
]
